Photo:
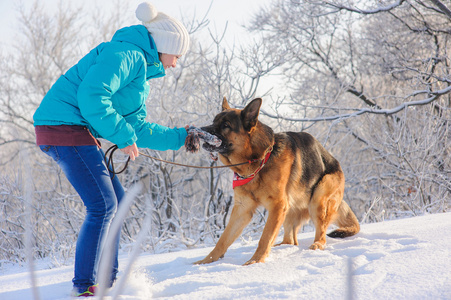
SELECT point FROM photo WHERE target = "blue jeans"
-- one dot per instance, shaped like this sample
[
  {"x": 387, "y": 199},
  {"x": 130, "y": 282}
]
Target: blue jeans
[{"x": 85, "y": 169}]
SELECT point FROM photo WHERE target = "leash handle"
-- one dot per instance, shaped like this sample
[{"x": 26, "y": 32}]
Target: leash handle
[{"x": 109, "y": 161}]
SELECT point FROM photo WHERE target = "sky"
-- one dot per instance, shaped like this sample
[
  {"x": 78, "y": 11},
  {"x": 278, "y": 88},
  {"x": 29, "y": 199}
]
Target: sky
[
  {"x": 235, "y": 12},
  {"x": 398, "y": 259}
]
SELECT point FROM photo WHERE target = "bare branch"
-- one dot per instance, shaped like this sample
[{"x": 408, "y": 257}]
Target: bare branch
[
  {"x": 364, "y": 11},
  {"x": 442, "y": 7},
  {"x": 391, "y": 111}
]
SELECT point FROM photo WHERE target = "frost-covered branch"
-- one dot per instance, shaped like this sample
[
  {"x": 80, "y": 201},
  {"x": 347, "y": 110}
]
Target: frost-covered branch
[
  {"x": 376, "y": 10},
  {"x": 390, "y": 111}
]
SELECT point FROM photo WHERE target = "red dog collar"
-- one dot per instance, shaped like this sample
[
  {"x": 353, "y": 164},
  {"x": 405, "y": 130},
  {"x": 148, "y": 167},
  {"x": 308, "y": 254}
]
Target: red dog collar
[{"x": 239, "y": 180}]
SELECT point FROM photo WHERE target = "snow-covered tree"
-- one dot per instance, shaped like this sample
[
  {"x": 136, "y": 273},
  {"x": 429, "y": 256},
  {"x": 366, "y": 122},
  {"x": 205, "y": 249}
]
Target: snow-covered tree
[{"x": 371, "y": 80}]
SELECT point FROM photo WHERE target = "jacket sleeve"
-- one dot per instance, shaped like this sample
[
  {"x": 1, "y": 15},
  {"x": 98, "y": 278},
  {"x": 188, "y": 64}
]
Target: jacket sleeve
[
  {"x": 104, "y": 78},
  {"x": 159, "y": 137},
  {"x": 155, "y": 136}
]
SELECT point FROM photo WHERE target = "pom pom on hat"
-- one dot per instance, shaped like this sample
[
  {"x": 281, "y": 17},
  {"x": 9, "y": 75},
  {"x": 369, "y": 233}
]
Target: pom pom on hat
[
  {"x": 169, "y": 35},
  {"x": 146, "y": 12}
]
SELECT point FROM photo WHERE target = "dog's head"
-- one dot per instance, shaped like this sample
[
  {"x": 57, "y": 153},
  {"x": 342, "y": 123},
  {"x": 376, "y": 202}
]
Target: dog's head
[{"x": 236, "y": 129}]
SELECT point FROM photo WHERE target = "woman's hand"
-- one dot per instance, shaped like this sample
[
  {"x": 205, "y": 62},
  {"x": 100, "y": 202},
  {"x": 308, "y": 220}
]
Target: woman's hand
[
  {"x": 192, "y": 141},
  {"x": 131, "y": 151}
]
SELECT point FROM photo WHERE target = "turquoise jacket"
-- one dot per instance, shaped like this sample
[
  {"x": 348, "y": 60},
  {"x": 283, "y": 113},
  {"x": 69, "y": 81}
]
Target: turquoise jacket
[{"x": 106, "y": 91}]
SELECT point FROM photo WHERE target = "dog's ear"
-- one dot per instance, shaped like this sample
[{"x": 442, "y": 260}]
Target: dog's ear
[
  {"x": 225, "y": 104},
  {"x": 249, "y": 115}
]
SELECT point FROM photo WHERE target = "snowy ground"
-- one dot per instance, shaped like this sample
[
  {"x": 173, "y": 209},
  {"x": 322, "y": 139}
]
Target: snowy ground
[{"x": 401, "y": 259}]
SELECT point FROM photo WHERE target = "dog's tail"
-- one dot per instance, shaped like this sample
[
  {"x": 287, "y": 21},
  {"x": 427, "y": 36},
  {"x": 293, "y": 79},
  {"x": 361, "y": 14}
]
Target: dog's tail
[{"x": 346, "y": 221}]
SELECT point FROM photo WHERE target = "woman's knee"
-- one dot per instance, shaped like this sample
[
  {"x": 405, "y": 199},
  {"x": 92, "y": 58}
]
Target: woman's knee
[{"x": 105, "y": 209}]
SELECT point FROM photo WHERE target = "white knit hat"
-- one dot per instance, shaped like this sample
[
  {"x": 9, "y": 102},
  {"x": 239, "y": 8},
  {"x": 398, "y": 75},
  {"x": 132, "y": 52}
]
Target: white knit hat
[{"x": 170, "y": 36}]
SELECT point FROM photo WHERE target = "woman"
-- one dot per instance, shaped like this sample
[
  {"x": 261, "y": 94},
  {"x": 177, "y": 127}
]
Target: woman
[{"x": 103, "y": 96}]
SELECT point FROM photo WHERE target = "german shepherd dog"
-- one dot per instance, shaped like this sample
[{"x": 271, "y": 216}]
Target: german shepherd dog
[{"x": 289, "y": 173}]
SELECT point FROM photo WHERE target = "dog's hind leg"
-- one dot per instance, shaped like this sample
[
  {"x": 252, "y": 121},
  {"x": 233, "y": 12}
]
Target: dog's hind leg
[
  {"x": 324, "y": 204},
  {"x": 346, "y": 221},
  {"x": 241, "y": 215},
  {"x": 293, "y": 222}
]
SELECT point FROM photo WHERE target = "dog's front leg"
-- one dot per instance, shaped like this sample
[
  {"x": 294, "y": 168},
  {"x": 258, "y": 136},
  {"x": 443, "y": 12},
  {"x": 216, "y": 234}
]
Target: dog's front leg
[
  {"x": 276, "y": 215},
  {"x": 241, "y": 215}
]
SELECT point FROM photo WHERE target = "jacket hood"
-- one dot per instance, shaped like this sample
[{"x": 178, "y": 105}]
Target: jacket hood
[{"x": 139, "y": 36}]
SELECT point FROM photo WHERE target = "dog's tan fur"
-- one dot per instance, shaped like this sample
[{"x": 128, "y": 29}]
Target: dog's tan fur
[{"x": 300, "y": 181}]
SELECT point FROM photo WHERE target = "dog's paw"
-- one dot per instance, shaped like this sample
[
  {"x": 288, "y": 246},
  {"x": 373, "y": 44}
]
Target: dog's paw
[
  {"x": 286, "y": 243},
  {"x": 206, "y": 260},
  {"x": 254, "y": 261},
  {"x": 249, "y": 262},
  {"x": 317, "y": 245}
]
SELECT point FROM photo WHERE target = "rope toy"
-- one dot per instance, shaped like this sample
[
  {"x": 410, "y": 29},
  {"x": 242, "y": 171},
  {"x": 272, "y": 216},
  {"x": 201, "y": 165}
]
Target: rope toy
[{"x": 195, "y": 134}]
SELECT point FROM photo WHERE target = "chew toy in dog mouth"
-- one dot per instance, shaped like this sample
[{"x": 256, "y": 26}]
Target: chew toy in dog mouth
[
  {"x": 214, "y": 147},
  {"x": 211, "y": 148},
  {"x": 195, "y": 134}
]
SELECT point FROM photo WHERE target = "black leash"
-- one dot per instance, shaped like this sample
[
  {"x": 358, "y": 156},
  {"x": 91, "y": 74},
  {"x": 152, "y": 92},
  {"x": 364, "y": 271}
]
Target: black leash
[{"x": 109, "y": 161}]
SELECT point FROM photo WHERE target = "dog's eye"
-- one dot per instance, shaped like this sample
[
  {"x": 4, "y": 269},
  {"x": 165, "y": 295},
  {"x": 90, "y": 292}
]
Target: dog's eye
[{"x": 225, "y": 125}]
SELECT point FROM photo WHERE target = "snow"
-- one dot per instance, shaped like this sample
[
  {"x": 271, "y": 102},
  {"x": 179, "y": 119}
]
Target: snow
[{"x": 399, "y": 259}]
